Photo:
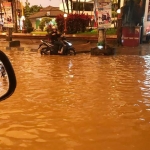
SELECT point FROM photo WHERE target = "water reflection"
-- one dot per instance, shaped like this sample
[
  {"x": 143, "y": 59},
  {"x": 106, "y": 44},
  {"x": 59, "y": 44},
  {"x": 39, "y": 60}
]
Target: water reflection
[
  {"x": 4, "y": 83},
  {"x": 77, "y": 103}
]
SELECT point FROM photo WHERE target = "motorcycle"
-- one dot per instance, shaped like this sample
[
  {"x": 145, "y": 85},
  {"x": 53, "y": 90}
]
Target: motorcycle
[
  {"x": 2, "y": 70},
  {"x": 49, "y": 48}
]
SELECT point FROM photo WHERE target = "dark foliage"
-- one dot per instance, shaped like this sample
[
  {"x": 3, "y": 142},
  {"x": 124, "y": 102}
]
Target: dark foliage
[
  {"x": 60, "y": 22},
  {"x": 28, "y": 25},
  {"x": 74, "y": 23},
  {"x": 132, "y": 13}
]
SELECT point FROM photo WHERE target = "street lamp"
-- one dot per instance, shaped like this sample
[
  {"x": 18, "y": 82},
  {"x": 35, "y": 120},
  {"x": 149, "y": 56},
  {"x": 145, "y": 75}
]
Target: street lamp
[
  {"x": 118, "y": 13},
  {"x": 65, "y": 28}
]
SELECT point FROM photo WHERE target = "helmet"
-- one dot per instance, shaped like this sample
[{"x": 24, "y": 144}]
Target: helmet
[{"x": 54, "y": 28}]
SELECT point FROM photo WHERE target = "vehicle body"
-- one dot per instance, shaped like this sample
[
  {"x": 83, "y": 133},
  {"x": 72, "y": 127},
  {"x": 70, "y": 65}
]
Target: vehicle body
[
  {"x": 7, "y": 69},
  {"x": 47, "y": 48}
]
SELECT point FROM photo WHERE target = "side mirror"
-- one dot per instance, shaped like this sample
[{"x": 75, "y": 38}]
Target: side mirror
[{"x": 7, "y": 77}]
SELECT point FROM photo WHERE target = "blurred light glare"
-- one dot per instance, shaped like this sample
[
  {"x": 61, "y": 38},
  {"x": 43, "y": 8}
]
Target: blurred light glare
[
  {"x": 118, "y": 11},
  {"x": 100, "y": 47},
  {"x": 65, "y": 15}
]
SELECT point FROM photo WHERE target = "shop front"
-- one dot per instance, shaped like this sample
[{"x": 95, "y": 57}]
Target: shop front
[{"x": 146, "y": 20}]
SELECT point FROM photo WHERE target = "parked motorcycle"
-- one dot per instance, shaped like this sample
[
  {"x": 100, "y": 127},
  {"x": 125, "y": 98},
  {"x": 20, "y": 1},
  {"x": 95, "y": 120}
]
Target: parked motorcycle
[{"x": 50, "y": 49}]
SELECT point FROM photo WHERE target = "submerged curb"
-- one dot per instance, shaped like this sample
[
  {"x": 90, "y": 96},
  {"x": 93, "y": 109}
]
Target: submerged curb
[
  {"x": 80, "y": 48},
  {"x": 18, "y": 49},
  {"x": 23, "y": 49}
]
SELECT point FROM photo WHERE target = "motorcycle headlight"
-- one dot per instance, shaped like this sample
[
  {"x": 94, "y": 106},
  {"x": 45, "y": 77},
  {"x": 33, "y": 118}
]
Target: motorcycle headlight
[{"x": 69, "y": 44}]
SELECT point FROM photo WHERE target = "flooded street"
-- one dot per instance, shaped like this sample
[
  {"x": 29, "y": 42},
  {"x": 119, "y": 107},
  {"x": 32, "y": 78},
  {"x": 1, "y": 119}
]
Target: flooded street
[{"x": 80, "y": 102}]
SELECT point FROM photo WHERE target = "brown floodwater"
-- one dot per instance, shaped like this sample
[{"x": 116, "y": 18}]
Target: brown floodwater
[{"x": 80, "y": 102}]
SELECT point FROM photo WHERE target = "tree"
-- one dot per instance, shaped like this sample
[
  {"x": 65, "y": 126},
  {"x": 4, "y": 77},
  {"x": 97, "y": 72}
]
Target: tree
[
  {"x": 60, "y": 23},
  {"x": 74, "y": 22},
  {"x": 35, "y": 8},
  {"x": 131, "y": 13},
  {"x": 84, "y": 6},
  {"x": 27, "y": 9},
  {"x": 67, "y": 5},
  {"x": 28, "y": 25},
  {"x": 30, "y": 10},
  {"x": 43, "y": 22},
  {"x": 63, "y": 5},
  {"x": 71, "y": 5}
]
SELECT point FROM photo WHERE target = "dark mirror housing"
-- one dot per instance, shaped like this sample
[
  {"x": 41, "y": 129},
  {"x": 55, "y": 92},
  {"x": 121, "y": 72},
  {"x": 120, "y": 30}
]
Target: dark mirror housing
[{"x": 11, "y": 76}]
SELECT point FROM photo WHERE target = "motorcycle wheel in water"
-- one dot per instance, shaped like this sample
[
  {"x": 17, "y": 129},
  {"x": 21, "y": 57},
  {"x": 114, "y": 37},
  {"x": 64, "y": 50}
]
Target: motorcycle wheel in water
[
  {"x": 44, "y": 51},
  {"x": 71, "y": 52}
]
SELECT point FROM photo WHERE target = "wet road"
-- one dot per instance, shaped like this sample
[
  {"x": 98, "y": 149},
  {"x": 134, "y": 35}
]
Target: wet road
[{"x": 80, "y": 102}]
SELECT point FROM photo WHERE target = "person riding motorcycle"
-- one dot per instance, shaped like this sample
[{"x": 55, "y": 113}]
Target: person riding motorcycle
[
  {"x": 2, "y": 70},
  {"x": 55, "y": 39}
]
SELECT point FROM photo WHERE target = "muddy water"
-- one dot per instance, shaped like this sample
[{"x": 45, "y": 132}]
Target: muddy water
[{"x": 80, "y": 102}]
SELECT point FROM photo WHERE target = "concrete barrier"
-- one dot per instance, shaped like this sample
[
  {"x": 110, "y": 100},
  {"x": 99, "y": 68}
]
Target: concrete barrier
[{"x": 104, "y": 51}]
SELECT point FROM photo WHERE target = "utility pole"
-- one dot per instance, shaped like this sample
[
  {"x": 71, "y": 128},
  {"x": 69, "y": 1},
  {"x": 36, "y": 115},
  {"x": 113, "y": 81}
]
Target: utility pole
[
  {"x": 14, "y": 12},
  {"x": 118, "y": 4},
  {"x": 13, "y": 24},
  {"x": 9, "y": 29},
  {"x": 104, "y": 22}
]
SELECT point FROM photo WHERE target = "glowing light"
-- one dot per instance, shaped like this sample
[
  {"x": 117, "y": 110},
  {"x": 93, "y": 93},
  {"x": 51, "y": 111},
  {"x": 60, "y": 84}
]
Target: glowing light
[
  {"x": 118, "y": 11},
  {"x": 22, "y": 18},
  {"x": 100, "y": 47},
  {"x": 65, "y": 15}
]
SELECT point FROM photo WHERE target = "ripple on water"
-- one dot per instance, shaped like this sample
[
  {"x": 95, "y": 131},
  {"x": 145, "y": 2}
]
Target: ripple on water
[{"x": 79, "y": 102}]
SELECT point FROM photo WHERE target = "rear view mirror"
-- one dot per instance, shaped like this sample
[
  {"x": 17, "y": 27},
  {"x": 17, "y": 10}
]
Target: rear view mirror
[{"x": 7, "y": 77}]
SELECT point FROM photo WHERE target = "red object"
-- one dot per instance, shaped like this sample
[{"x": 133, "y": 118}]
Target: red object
[{"x": 131, "y": 36}]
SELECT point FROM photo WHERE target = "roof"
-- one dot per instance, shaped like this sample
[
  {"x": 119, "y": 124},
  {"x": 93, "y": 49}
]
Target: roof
[{"x": 54, "y": 11}]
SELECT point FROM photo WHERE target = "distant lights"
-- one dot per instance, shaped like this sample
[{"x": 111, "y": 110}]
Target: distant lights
[
  {"x": 22, "y": 18},
  {"x": 65, "y": 15},
  {"x": 100, "y": 47},
  {"x": 118, "y": 11}
]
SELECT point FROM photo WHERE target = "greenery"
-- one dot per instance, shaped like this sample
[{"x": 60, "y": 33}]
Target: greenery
[
  {"x": 45, "y": 20},
  {"x": 111, "y": 31},
  {"x": 74, "y": 23},
  {"x": 39, "y": 32},
  {"x": 132, "y": 13},
  {"x": 100, "y": 43},
  {"x": 93, "y": 32},
  {"x": 28, "y": 25},
  {"x": 27, "y": 12},
  {"x": 114, "y": 14},
  {"x": 35, "y": 8},
  {"x": 30, "y": 10},
  {"x": 60, "y": 22}
]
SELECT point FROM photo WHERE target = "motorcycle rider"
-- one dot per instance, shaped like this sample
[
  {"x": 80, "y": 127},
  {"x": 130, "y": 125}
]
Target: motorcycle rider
[
  {"x": 55, "y": 39},
  {"x": 2, "y": 70}
]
